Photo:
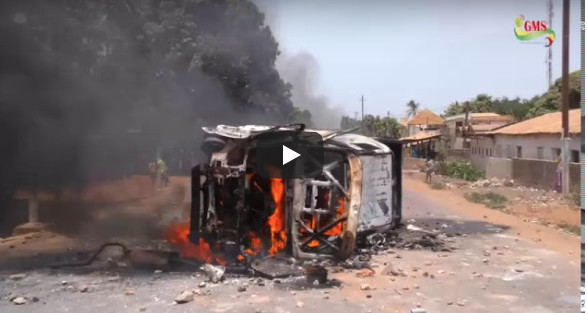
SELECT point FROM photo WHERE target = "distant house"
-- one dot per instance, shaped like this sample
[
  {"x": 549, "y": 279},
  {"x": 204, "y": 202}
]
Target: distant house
[
  {"x": 536, "y": 138},
  {"x": 478, "y": 123},
  {"x": 425, "y": 121}
]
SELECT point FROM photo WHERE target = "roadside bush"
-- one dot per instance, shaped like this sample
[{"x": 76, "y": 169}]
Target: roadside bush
[
  {"x": 573, "y": 229},
  {"x": 491, "y": 199},
  {"x": 438, "y": 185},
  {"x": 460, "y": 170}
]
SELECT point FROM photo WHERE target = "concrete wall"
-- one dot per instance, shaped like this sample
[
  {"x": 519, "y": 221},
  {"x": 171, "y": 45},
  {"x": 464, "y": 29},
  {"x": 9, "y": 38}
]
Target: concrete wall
[
  {"x": 541, "y": 173},
  {"x": 457, "y": 154},
  {"x": 529, "y": 146},
  {"x": 481, "y": 149},
  {"x": 499, "y": 168}
]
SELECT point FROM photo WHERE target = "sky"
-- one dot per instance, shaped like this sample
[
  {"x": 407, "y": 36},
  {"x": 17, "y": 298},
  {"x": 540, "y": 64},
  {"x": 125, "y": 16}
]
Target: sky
[{"x": 434, "y": 52}]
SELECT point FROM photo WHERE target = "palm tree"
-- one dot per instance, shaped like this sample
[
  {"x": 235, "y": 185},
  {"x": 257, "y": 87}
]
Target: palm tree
[{"x": 413, "y": 108}]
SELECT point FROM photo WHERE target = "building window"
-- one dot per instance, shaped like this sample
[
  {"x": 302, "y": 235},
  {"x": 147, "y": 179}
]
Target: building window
[
  {"x": 555, "y": 153},
  {"x": 490, "y": 152},
  {"x": 540, "y": 153},
  {"x": 498, "y": 151},
  {"x": 519, "y": 152},
  {"x": 575, "y": 157}
]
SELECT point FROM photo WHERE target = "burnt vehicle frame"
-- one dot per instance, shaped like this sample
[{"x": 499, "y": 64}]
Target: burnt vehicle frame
[{"x": 357, "y": 193}]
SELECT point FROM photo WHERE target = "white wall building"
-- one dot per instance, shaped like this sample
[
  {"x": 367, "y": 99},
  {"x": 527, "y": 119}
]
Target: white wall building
[
  {"x": 454, "y": 126},
  {"x": 537, "y": 138}
]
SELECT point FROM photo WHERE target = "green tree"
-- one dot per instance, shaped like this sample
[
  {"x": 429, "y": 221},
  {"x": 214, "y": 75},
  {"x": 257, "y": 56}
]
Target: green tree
[
  {"x": 550, "y": 101},
  {"x": 301, "y": 116},
  {"x": 104, "y": 69},
  {"x": 413, "y": 108}
]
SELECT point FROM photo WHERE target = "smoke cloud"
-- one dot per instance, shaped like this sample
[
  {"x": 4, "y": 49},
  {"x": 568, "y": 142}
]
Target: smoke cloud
[
  {"x": 90, "y": 89},
  {"x": 301, "y": 70}
]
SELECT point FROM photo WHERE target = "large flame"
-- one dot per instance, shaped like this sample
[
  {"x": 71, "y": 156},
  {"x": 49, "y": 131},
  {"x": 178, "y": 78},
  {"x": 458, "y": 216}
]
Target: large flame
[
  {"x": 276, "y": 222},
  {"x": 255, "y": 244},
  {"x": 177, "y": 234},
  {"x": 336, "y": 230}
]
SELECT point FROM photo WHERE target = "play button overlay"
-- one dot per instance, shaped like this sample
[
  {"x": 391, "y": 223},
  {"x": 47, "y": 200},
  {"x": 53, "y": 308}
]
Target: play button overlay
[{"x": 287, "y": 154}]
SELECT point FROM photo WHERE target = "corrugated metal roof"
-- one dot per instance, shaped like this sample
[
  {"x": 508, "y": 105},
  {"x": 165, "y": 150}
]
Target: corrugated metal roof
[
  {"x": 480, "y": 116},
  {"x": 420, "y": 136},
  {"x": 550, "y": 123},
  {"x": 426, "y": 117}
]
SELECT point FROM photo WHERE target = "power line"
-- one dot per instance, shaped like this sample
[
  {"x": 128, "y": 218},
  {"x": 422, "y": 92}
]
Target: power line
[{"x": 549, "y": 7}]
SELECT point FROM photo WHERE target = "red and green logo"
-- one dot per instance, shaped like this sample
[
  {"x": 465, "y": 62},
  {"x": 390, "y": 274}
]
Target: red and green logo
[{"x": 530, "y": 30}]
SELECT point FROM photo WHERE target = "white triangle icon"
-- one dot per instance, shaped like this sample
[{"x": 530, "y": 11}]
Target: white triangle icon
[{"x": 289, "y": 155}]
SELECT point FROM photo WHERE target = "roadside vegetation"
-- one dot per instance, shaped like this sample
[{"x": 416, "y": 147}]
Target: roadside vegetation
[
  {"x": 438, "y": 185},
  {"x": 573, "y": 229},
  {"x": 460, "y": 170},
  {"x": 491, "y": 199}
]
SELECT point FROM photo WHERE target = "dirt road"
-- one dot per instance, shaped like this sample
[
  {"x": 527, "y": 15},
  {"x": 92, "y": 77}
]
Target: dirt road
[{"x": 501, "y": 265}]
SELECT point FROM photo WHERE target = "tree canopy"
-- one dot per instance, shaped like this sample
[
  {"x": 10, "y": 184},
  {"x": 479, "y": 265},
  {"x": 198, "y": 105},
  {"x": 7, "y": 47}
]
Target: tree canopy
[
  {"x": 82, "y": 83},
  {"x": 413, "y": 108},
  {"x": 375, "y": 126},
  {"x": 522, "y": 109}
]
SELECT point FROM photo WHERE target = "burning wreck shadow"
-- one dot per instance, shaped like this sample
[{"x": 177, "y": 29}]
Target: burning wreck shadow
[
  {"x": 456, "y": 227},
  {"x": 301, "y": 283}
]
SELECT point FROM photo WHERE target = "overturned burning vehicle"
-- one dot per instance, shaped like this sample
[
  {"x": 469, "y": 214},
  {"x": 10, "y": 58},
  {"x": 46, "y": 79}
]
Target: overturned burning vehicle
[{"x": 238, "y": 216}]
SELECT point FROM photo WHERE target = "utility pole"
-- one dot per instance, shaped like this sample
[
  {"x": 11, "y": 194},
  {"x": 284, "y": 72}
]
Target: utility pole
[
  {"x": 387, "y": 125},
  {"x": 549, "y": 61},
  {"x": 565, "y": 98},
  {"x": 362, "y": 114}
]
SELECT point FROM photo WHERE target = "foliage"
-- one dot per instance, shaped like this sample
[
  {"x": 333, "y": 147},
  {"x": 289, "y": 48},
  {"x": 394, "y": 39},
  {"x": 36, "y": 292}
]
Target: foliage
[
  {"x": 438, "y": 185},
  {"x": 491, "y": 199},
  {"x": 375, "y": 126},
  {"x": 413, "y": 108},
  {"x": 522, "y": 109},
  {"x": 301, "y": 116},
  {"x": 460, "y": 170},
  {"x": 111, "y": 78},
  {"x": 573, "y": 229},
  {"x": 550, "y": 101}
]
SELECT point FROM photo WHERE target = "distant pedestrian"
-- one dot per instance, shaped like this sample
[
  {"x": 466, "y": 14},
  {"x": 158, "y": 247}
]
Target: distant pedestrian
[
  {"x": 162, "y": 167},
  {"x": 430, "y": 166},
  {"x": 558, "y": 179}
]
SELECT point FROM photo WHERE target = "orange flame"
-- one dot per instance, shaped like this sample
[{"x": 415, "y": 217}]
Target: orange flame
[
  {"x": 276, "y": 222},
  {"x": 336, "y": 230},
  {"x": 177, "y": 234},
  {"x": 255, "y": 244}
]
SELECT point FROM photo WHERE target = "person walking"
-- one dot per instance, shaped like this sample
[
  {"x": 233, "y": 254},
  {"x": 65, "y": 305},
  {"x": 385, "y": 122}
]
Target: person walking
[
  {"x": 162, "y": 167},
  {"x": 558, "y": 179},
  {"x": 429, "y": 169}
]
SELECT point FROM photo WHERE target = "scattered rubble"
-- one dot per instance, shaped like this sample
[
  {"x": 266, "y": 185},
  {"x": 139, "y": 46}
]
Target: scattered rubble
[
  {"x": 410, "y": 237},
  {"x": 184, "y": 297},
  {"x": 19, "y": 300},
  {"x": 17, "y": 276},
  {"x": 215, "y": 273}
]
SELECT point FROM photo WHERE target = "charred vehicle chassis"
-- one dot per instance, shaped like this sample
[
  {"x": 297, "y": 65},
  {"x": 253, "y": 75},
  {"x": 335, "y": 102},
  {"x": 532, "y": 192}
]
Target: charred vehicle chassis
[{"x": 358, "y": 192}]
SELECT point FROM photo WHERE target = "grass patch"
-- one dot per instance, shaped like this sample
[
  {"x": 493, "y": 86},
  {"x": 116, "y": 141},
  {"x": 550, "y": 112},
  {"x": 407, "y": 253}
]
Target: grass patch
[
  {"x": 460, "y": 170},
  {"x": 574, "y": 229},
  {"x": 491, "y": 199},
  {"x": 438, "y": 185}
]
